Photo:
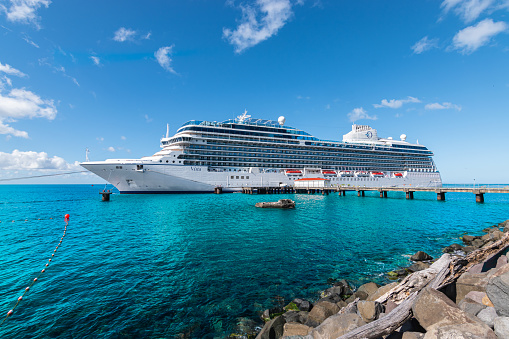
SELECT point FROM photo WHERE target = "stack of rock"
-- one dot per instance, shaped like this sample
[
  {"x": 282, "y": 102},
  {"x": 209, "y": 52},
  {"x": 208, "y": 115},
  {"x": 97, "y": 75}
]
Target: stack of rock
[{"x": 477, "y": 305}]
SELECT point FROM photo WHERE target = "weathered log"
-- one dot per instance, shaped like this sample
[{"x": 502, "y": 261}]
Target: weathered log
[
  {"x": 441, "y": 273},
  {"x": 385, "y": 325},
  {"x": 461, "y": 265}
]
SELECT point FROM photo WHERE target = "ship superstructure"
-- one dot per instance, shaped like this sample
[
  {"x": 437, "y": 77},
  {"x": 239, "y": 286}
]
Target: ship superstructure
[{"x": 247, "y": 152}]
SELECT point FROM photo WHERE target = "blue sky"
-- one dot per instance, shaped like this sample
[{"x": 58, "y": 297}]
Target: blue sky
[{"x": 109, "y": 75}]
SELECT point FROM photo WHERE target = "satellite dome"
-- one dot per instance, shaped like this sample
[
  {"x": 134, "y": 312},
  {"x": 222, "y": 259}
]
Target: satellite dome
[
  {"x": 389, "y": 138},
  {"x": 281, "y": 120},
  {"x": 403, "y": 137}
]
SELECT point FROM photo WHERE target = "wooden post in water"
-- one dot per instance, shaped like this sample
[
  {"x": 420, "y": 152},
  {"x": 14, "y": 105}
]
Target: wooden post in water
[
  {"x": 409, "y": 194},
  {"x": 479, "y": 196},
  {"x": 440, "y": 195},
  {"x": 106, "y": 195},
  {"x": 218, "y": 190}
]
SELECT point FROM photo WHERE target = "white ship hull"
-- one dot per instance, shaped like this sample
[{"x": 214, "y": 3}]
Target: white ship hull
[{"x": 168, "y": 178}]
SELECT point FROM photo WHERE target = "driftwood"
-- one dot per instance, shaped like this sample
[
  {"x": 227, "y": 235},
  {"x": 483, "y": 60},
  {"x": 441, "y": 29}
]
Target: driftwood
[{"x": 443, "y": 272}]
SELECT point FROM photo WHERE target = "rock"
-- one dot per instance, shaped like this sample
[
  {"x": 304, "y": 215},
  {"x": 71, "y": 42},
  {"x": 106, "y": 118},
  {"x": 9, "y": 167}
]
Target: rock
[
  {"x": 271, "y": 313},
  {"x": 381, "y": 291},
  {"x": 470, "y": 306},
  {"x": 412, "y": 335},
  {"x": 476, "y": 296},
  {"x": 470, "y": 282},
  {"x": 296, "y": 317},
  {"x": 421, "y": 256},
  {"x": 487, "y": 237},
  {"x": 391, "y": 305},
  {"x": 296, "y": 329},
  {"x": 362, "y": 295},
  {"x": 467, "y": 239},
  {"x": 397, "y": 273},
  {"x": 452, "y": 248},
  {"x": 341, "y": 304},
  {"x": 468, "y": 249},
  {"x": 337, "y": 325},
  {"x": 501, "y": 325},
  {"x": 273, "y": 329},
  {"x": 434, "y": 310},
  {"x": 302, "y": 304},
  {"x": 498, "y": 292},
  {"x": 460, "y": 331},
  {"x": 369, "y": 288},
  {"x": 282, "y": 203},
  {"x": 501, "y": 261},
  {"x": 504, "y": 224},
  {"x": 418, "y": 266},
  {"x": 320, "y": 312},
  {"x": 477, "y": 243},
  {"x": 497, "y": 235},
  {"x": 369, "y": 310},
  {"x": 347, "y": 289},
  {"x": 487, "y": 316}
]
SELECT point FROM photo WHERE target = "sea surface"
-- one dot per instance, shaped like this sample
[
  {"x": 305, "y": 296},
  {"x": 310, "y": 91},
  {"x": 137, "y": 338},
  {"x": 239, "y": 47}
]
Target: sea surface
[{"x": 197, "y": 266}]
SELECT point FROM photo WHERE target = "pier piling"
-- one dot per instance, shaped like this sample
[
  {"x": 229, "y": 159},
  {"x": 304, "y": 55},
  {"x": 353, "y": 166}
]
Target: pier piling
[{"x": 106, "y": 195}]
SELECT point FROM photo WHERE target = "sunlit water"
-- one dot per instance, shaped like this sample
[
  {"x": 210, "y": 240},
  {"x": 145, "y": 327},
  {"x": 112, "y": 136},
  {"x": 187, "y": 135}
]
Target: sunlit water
[{"x": 156, "y": 266}]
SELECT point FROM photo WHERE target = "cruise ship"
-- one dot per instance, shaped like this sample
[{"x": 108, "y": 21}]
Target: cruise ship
[{"x": 248, "y": 152}]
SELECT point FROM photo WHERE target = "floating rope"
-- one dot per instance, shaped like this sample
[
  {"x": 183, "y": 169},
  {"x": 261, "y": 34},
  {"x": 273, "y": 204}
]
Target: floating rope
[
  {"x": 11, "y": 311},
  {"x": 40, "y": 176},
  {"x": 25, "y": 220}
]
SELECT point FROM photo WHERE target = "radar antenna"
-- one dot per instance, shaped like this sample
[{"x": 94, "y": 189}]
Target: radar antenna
[{"x": 243, "y": 117}]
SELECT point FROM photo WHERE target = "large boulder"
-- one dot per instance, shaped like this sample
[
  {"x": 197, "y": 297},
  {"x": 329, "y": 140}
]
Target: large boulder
[
  {"x": 418, "y": 266},
  {"x": 321, "y": 311},
  {"x": 477, "y": 243},
  {"x": 434, "y": 311},
  {"x": 369, "y": 310},
  {"x": 501, "y": 325},
  {"x": 296, "y": 317},
  {"x": 273, "y": 329},
  {"x": 452, "y": 248},
  {"x": 369, "y": 288},
  {"x": 347, "y": 289},
  {"x": 291, "y": 329},
  {"x": 381, "y": 291},
  {"x": 498, "y": 292},
  {"x": 468, "y": 282},
  {"x": 282, "y": 203},
  {"x": 460, "y": 331},
  {"x": 470, "y": 306},
  {"x": 487, "y": 316},
  {"x": 337, "y": 325},
  {"x": 421, "y": 256},
  {"x": 504, "y": 224},
  {"x": 467, "y": 239},
  {"x": 302, "y": 305}
]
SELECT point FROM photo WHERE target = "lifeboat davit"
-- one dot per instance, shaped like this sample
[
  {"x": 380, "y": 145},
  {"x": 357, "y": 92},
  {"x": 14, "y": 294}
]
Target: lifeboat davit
[
  {"x": 346, "y": 174},
  {"x": 398, "y": 175},
  {"x": 329, "y": 172},
  {"x": 361, "y": 174},
  {"x": 377, "y": 174},
  {"x": 293, "y": 172}
]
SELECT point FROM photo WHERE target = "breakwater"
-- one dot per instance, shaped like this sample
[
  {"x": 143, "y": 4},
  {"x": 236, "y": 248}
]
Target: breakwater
[
  {"x": 197, "y": 265},
  {"x": 465, "y": 294}
]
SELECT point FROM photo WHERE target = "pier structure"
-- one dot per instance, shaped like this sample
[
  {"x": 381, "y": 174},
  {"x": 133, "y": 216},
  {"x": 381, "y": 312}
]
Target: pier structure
[{"x": 383, "y": 191}]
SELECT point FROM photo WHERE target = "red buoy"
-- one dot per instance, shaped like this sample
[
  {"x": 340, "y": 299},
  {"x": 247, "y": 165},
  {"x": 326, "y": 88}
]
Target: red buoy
[
  {"x": 42, "y": 270},
  {"x": 26, "y": 289},
  {"x": 35, "y": 279},
  {"x": 20, "y": 298},
  {"x": 9, "y": 313}
]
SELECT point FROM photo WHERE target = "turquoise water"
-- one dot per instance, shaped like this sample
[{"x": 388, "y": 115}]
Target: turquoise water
[{"x": 156, "y": 266}]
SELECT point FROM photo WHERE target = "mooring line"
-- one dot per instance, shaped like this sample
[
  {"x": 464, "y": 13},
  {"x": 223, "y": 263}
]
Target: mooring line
[{"x": 11, "y": 311}]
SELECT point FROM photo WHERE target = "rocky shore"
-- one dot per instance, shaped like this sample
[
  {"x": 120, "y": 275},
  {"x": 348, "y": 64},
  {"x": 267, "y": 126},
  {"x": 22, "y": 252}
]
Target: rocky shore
[{"x": 463, "y": 294}]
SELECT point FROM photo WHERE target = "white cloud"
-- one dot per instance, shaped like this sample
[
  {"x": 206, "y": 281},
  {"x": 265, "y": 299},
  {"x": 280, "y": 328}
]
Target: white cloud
[
  {"x": 424, "y": 45},
  {"x": 360, "y": 113},
  {"x": 24, "y": 11},
  {"x": 327, "y": 106},
  {"x": 96, "y": 60},
  {"x": 393, "y": 103},
  {"x": 124, "y": 34},
  {"x": 468, "y": 10},
  {"x": 444, "y": 105},
  {"x": 100, "y": 139},
  {"x": 29, "y": 41},
  {"x": 60, "y": 69},
  {"x": 111, "y": 149},
  {"x": 258, "y": 23},
  {"x": 123, "y": 138},
  {"x": 18, "y": 103},
  {"x": 469, "y": 39},
  {"x": 147, "y": 118},
  {"x": 7, "y": 69},
  {"x": 30, "y": 160},
  {"x": 300, "y": 97},
  {"x": 163, "y": 56},
  {"x": 147, "y": 36}
]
